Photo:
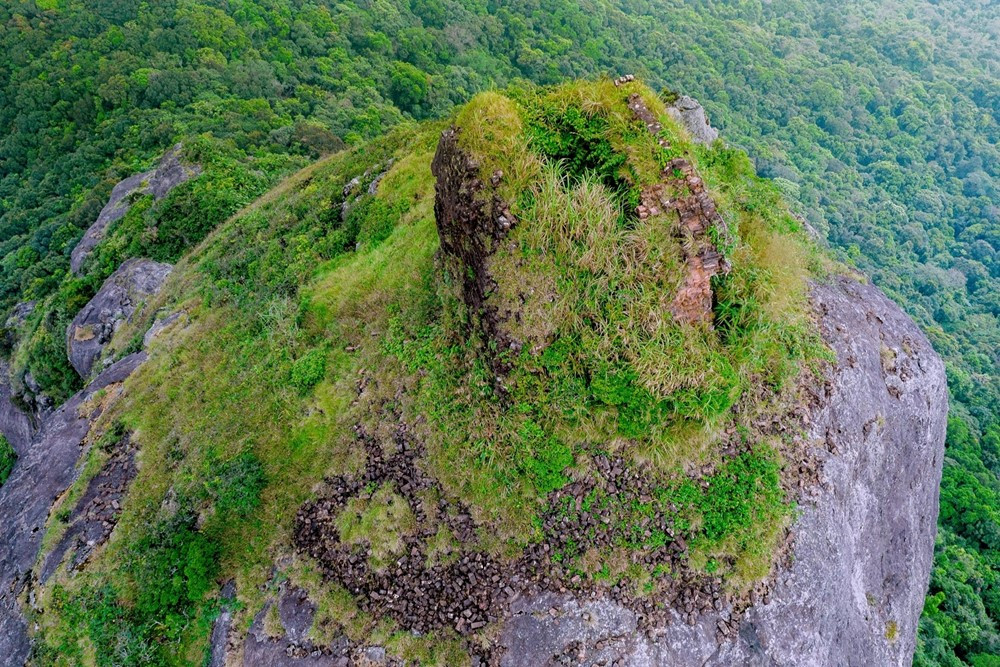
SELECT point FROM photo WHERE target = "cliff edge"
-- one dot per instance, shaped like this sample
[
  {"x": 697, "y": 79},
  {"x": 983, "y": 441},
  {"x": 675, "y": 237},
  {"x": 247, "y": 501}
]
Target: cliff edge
[
  {"x": 862, "y": 544},
  {"x": 571, "y": 386}
]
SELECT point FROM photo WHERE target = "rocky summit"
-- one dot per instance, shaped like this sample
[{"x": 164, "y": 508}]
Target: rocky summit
[{"x": 557, "y": 381}]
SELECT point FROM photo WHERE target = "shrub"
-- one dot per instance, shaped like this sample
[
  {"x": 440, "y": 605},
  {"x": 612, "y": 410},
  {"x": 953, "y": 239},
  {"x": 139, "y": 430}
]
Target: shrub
[
  {"x": 8, "y": 457},
  {"x": 309, "y": 369},
  {"x": 237, "y": 486},
  {"x": 173, "y": 567}
]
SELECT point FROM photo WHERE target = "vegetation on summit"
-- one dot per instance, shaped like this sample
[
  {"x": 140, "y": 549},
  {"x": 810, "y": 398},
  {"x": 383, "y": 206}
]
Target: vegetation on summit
[
  {"x": 880, "y": 119},
  {"x": 325, "y": 279}
]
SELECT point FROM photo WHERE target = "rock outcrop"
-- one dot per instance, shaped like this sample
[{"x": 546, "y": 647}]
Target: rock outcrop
[
  {"x": 691, "y": 115},
  {"x": 851, "y": 590},
  {"x": 49, "y": 453},
  {"x": 114, "y": 304},
  {"x": 15, "y": 425},
  {"x": 697, "y": 220},
  {"x": 94, "y": 516},
  {"x": 158, "y": 182},
  {"x": 862, "y": 549},
  {"x": 292, "y": 647},
  {"x": 698, "y": 225},
  {"x": 41, "y": 475},
  {"x": 472, "y": 220}
]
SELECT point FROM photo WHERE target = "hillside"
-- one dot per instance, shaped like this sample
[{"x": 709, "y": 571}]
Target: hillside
[
  {"x": 877, "y": 121},
  {"x": 549, "y": 347}
]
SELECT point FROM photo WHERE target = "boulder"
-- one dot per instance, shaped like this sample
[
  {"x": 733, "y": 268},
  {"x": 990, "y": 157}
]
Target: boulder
[
  {"x": 158, "y": 182},
  {"x": 691, "y": 115},
  {"x": 114, "y": 304}
]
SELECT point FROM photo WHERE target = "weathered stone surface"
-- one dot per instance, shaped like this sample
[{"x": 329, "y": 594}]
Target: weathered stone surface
[
  {"x": 170, "y": 173},
  {"x": 698, "y": 221},
  {"x": 95, "y": 515},
  {"x": 293, "y": 647},
  {"x": 15, "y": 425},
  {"x": 222, "y": 626},
  {"x": 92, "y": 329},
  {"x": 40, "y": 476},
  {"x": 471, "y": 221},
  {"x": 862, "y": 550},
  {"x": 691, "y": 115}
]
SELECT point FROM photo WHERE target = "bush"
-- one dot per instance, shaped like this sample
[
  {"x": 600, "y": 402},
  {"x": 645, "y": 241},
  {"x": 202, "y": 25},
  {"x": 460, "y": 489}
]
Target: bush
[
  {"x": 173, "y": 567},
  {"x": 237, "y": 486},
  {"x": 8, "y": 457},
  {"x": 309, "y": 369}
]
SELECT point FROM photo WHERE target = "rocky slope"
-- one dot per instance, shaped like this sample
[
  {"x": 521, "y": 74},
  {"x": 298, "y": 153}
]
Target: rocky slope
[
  {"x": 861, "y": 546},
  {"x": 157, "y": 183},
  {"x": 566, "y": 371},
  {"x": 43, "y": 473},
  {"x": 49, "y": 450}
]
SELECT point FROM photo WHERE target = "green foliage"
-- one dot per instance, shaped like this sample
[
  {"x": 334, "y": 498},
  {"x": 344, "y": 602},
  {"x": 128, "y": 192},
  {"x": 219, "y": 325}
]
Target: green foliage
[
  {"x": 8, "y": 457},
  {"x": 729, "y": 519},
  {"x": 381, "y": 519},
  {"x": 119, "y": 638},
  {"x": 959, "y": 621},
  {"x": 408, "y": 86},
  {"x": 168, "y": 574},
  {"x": 47, "y": 361},
  {"x": 173, "y": 568},
  {"x": 580, "y": 141},
  {"x": 740, "y": 504},
  {"x": 546, "y": 457},
  {"x": 237, "y": 484},
  {"x": 309, "y": 369},
  {"x": 879, "y": 118}
]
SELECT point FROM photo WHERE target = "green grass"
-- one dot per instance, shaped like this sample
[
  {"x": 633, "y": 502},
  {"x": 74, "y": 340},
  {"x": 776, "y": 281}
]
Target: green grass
[
  {"x": 8, "y": 457},
  {"x": 602, "y": 360},
  {"x": 250, "y": 400},
  {"x": 380, "y": 520}
]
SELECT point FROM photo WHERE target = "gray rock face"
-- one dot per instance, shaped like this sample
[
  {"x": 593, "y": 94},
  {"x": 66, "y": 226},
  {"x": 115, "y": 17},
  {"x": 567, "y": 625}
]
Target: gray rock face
[
  {"x": 159, "y": 182},
  {"x": 40, "y": 476},
  {"x": 19, "y": 314},
  {"x": 292, "y": 648},
  {"x": 159, "y": 326},
  {"x": 14, "y": 424},
  {"x": 691, "y": 115},
  {"x": 862, "y": 549},
  {"x": 90, "y": 521},
  {"x": 220, "y": 630},
  {"x": 91, "y": 330}
]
